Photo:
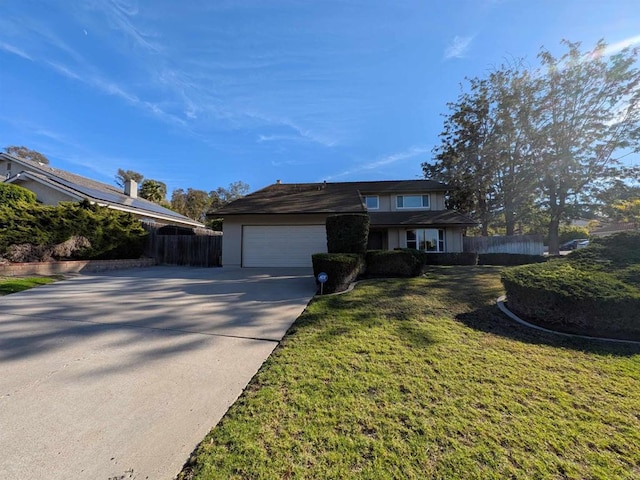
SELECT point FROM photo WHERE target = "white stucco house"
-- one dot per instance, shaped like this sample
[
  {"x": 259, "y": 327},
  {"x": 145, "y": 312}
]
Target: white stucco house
[
  {"x": 52, "y": 185},
  {"x": 284, "y": 224}
]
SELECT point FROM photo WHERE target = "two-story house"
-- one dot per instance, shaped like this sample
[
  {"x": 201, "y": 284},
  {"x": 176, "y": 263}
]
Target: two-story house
[{"x": 284, "y": 224}]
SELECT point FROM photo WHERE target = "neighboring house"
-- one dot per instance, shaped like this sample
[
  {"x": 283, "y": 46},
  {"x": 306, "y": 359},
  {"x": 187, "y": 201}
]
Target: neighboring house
[
  {"x": 52, "y": 185},
  {"x": 284, "y": 224}
]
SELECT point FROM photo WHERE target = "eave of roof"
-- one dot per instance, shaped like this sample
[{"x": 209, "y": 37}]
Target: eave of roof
[{"x": 419, "y": 218}]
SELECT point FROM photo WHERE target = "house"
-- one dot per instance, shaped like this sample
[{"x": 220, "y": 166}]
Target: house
[
  {"x": 284, "y": 224},
  {"x": 52, "y": 185}
]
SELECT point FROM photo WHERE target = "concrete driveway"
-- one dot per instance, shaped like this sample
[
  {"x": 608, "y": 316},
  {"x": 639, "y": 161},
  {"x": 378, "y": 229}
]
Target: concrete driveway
[{"x": 120, "y": 375}]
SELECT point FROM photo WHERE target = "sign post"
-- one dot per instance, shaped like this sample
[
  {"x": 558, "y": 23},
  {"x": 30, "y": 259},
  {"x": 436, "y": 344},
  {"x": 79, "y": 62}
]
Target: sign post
[{"x": 322, "y": 278}]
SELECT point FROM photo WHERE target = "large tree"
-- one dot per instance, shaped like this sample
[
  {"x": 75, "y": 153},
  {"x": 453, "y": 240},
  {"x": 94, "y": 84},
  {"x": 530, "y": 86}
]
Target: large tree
[
  {"x": 483, "y": 152},
  {"x": 193, "y": 203},
  {"x": 26, "y": 153},
  {"x": 550, "y": 137},
  {"x": 588, "y": 113}
]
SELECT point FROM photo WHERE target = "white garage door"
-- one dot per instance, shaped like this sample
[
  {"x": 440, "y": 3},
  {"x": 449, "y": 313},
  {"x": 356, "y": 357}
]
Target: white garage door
[{"x": 282, "y": 245}]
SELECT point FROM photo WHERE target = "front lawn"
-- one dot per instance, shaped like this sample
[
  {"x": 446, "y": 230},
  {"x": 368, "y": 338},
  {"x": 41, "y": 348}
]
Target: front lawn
[
  {"x": 424, "y": 378},
  {"x": 12, "y": 285}
]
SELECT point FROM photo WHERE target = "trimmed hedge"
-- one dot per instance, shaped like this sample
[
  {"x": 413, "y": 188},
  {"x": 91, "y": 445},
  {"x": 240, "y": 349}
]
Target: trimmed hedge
[
  {"x": 347, "y": 233},
  {"x": 613, "y": 252},
  {"x": 565, "y": 298},
  {"x": 392, "y": 263},
  {"x": 111, "y": 234},
  {"x": 452, "y": 258},
  {"x": 341, "y": 268},
  {"x": 509, "y": 259}
]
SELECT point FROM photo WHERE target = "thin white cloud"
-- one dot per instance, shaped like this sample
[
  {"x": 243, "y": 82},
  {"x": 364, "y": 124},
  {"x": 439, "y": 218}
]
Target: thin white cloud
[
  {"x": 458, "y": 47},
  {"x": 383, "y": 162},
  {"x": 15, "y": 50},
  {"x": 619, "y": 46}
]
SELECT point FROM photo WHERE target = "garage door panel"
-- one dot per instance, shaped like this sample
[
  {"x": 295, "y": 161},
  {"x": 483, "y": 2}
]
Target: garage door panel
[{"x": 281, "y": 245}]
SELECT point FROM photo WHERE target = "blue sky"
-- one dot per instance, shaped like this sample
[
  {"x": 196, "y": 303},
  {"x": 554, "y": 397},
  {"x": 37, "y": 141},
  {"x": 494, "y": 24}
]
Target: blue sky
[{"x": 202, "y": 93}]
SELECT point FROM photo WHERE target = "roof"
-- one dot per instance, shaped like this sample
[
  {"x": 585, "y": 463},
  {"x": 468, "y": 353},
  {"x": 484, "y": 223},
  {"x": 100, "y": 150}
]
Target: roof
[
  {"x": 433, "y": 218},
  {"x": 81, "y": 187},
  {"x": 325, "y": 197}
]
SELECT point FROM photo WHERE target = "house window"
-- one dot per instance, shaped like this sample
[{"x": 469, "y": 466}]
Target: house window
[
  {"x": 371, "y": 202},
  {"x": 427, "y": 240},
  {"x": 412, "y": 201}
]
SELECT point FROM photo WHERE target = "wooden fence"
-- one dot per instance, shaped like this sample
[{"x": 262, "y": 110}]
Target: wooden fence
[
  {"x": 192, "y": 250},
  {"x": 523, "y": 244}
]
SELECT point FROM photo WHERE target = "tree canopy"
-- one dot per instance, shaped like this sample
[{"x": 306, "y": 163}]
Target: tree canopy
[
  {"x": 547, "y": 138},
  {"x": 26, "y": 153},
  {"x": 123, "y": 175},
  {"x": 195, "y": 203},
  {"x": 153, "y": 190}
]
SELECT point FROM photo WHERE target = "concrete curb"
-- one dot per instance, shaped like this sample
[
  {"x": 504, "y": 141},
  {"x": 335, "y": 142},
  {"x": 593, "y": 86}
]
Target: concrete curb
[
  {"x": 349, "y": 289},
  {"x": 513, "y": 316}
]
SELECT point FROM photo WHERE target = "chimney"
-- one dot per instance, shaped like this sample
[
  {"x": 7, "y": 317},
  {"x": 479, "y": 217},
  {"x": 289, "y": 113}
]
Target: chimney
[
  {"x": 131, "y": 188},
  {"x": 278, "y": 182}
]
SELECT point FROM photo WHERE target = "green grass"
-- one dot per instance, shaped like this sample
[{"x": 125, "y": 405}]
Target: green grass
[
  {"x": 424, "y": 378},
  {"x": 13, "y": 285}
]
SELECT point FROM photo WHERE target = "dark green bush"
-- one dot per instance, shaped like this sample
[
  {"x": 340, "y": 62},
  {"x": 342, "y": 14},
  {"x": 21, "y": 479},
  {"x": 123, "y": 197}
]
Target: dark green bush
[
  {"x": 615, "y": 251},
  {"x": 392, "y": 263},
  {"x": 459, "y": 258},
  {"x": 566, "y": 298},
  {"x": 341, "y": 268},
  {"x": 112, "y": 234},
  {"x": 11, "y": 195},
  {"x": 347, "y": 233},
  {"x": 509, "y": 259},
  {"x": 630, "y": 275},
  {"x": 452, "y": 258},
  {"x": 621, "y": 248}
]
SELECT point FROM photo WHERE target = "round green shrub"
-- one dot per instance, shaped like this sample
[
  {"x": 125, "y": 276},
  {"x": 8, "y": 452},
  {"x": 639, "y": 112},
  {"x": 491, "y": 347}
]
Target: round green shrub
[{"x": 559, "y": 295}]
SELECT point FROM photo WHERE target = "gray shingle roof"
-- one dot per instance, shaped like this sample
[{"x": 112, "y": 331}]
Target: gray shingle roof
[
  {"x": 338, "y": 197},
  {"x": 93, "y": 190},
  {"x": 432, "y": 218}
]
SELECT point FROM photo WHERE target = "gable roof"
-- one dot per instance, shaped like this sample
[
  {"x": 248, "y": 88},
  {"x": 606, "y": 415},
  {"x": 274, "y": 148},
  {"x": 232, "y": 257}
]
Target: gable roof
[
  {"x": 78, "y": 188},
  {"x": 326, "y": 197}
]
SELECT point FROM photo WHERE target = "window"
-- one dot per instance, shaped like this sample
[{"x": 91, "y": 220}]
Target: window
[
  {"x": 371, "y": 201},
  {"x": 412, "y": 201},
  {"x": 427, "y": 240}
]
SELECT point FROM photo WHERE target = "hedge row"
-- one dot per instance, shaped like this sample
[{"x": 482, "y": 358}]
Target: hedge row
[
  {"x": 111, "y": 234},
  {"x": 392, "y": 263},
  {"x": 509, "y": 259},
  {"x": 563, "y": 297}
]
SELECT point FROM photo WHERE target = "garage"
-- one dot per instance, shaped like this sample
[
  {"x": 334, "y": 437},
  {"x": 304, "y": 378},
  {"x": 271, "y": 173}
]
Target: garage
[{"x": 281, "y": 245}]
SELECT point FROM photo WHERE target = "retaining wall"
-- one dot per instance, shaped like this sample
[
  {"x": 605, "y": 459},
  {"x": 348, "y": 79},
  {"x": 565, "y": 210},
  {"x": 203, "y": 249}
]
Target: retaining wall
[{"x": 72, "y": 266}]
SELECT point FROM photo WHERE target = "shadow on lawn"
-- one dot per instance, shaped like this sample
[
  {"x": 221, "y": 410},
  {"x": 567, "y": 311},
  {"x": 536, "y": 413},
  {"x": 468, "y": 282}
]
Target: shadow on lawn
[{"x": 490, "y": 320}]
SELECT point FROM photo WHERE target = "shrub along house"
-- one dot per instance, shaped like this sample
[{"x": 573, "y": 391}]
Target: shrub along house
[
  {"x": 52, "y": 185},
  {"x": 284, "y": 224}
]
